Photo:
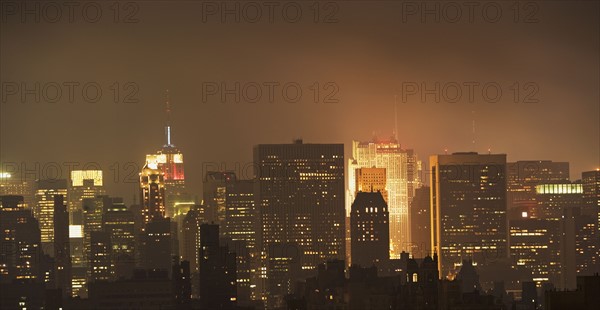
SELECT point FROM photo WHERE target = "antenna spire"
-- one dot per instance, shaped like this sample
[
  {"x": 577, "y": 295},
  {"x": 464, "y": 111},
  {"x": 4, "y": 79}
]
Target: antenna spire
[
  {"x": 168, "y": 114},
  {"x": 396, "y": 118},
  {"x": 473, "y": 122}
]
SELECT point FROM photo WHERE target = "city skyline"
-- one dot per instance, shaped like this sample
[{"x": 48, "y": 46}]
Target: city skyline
[{"x": 296, "y": 155}]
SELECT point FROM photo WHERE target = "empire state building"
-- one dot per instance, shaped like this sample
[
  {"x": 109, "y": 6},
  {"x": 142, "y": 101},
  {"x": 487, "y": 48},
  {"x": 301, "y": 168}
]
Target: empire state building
[{"x": 169, "y": 160}]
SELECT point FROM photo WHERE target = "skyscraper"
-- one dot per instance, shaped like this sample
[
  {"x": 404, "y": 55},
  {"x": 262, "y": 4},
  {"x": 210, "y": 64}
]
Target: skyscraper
[
  {"x": 420, "y": 223},
  {"x": 300, "y": 198},
  {"x": 468, "y": 209},
  {"x": 44, "y": 209},
  {"x": 241, "y": 217},
  {"x": 83, "y": 184},
  {"x": 217, "y": 271},
  {"x": 524, "y": 175},
  {"x": 118, "y": 224},
  {"x": 169, "y": 161},
  {"x": 152, "y": 193},
  {"x": 62, "y": 247},
  {"x": 402, "y": 178},
  {"x": 214, "y": 188},
  {"x": 370, "y": 230},
  {"x": 591, "y": 191}
]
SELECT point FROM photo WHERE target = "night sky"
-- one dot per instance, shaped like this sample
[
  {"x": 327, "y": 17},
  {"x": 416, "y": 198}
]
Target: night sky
[{"x": 364, "y": 54}]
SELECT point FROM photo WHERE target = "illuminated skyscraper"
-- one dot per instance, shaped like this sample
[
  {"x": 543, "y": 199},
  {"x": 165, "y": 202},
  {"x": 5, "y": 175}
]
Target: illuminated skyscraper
[
  {"x": 169, "y": 160},
  {"x": 402, "y": 178},
  {"x": 84, "y": 184},
  {"x": 241, "y": 217},
  {"x": 152, "y": 193},
  {"x": 468, "y": 209},
  {"x": 300, "y": 198},
  {"x": 44, "y": 209}
]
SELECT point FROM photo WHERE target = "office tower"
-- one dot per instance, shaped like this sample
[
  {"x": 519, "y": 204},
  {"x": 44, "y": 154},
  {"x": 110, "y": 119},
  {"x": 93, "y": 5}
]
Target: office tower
[
  {"x": 62, "y": 246},
  {"x": 300, "y": 198},
  {"x": 83, "y": 184},
  {"x": 531, "y": 240},
  {"x": 420, "y": 223},
  {"x": 190, "y": 241},
  {"x": 241, "y": 217},
  {"x": 468, "y": 209},
  {"x": 93, "y": 212},
  {"x": 402, "y": 178},
  {"x": 564, "y": 204},
  {"x": 99, "y": 260},
  {"x": 191, "y": 236},
  {"x": 13, "y": 185},
  {"x": 79, "y": 262},
  {"x": 21, "y": 255},
  {"x": 591, "y": 191},
  {"x": 157, "y": 245},
  {"x": 369, "y": 221},
  {"x": 214, "y": 189},
  {"x": 152, "y": 193},
  {"x": 523, "y": 176},
  {"x": 44, "y": 209},
  {"x": 169, "y": 161},
  {"x": 118, "y": 223},
  {"x": 217, "y": 270},
  {"x": 246, "y": 267}
]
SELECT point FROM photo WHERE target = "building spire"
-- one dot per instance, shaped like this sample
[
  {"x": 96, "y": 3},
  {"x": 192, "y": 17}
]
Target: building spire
[
  {"x": 168, "y": 121},
  {"x": 396, "y": 118}
]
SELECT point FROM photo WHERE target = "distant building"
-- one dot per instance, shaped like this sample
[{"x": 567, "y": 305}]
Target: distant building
[
  {"x": 215, "y": 187},
  {"x": 468, "y": 218},
  {"x": 83, "y": 184},
  {"x": 217, "y": 271},
  {"x": 20, "y": 238},
  {"x": 300, "y": 197},
  {"x": 420, "y": 217},
  {"x": 402, "y": 169},
  {"x": 119, "y": 224},
  {"x": 156, "y": 245},
  {"x": 62, "y": 247},
  {"x": 523, "y": 176},
  {"x": 152, "y": 193},
  {"x": 369, "y": 221},
  {"x": 44, "y": 209}
]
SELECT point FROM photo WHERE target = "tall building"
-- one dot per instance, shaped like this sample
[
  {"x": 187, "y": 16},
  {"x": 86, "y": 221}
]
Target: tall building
[
  {"x": 420, "y": 223},
  {"x": 62, "y": 246},
  {"x": 83, "y": 184},
  {"x": 402, "y": 178},
  {"x": 591, "y": 191},
  {"x": 152, "y": 193},
  {"x": 190, "y": 241},
  {"x": 371, "y": 180},
  {"x": 531, "y": 240},
  {"x": 118, "y": 223},
  {"x": 369, "y": 221},
  {"x": 21, "y": 255},
  {"x": 300, "y": 197},
  {"x": 44, "y": 209},
  {"x": 169, "y": 161},
  {"x": 241, "y": 217},
  {"x": 468, "y": 209},
  {"x": 214, "y": 189},
  {"x": 523, "y": 176},
  {"x": 156, "y": 247},
  {"x": 217, "y": 270},
  {"x": 101, "y": 268}
]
